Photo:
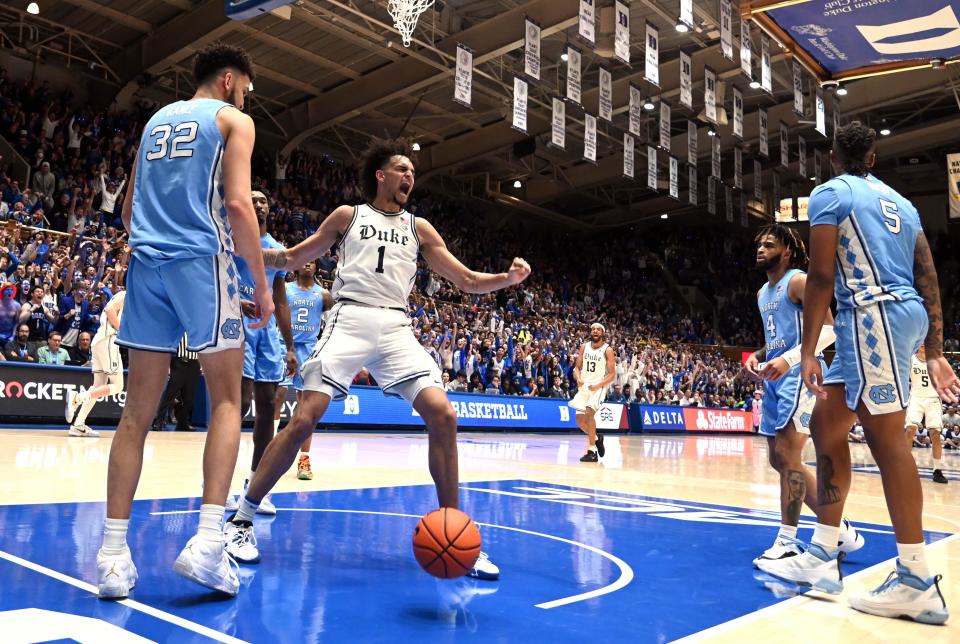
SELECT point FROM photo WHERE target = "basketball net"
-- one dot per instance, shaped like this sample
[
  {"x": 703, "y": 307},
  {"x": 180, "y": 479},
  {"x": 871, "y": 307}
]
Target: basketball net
[{"x": 405, "y": 14}]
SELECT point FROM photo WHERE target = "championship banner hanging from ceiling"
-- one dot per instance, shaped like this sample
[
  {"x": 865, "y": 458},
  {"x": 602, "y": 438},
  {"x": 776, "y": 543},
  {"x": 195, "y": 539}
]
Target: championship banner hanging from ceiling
[
  {"x": 588, "y": 21},
  {"x": 590, "y": 138},
  {"x": 573, "y": 74},
  {"x": 692, "y": 180},
  {"x": 605, "y": 94},
  {"x": 953, "y": 184},
  {"x": 737, "y": 113},
  {"x": 463, "y": 78},
  {"x": 737, "y": 167},
  {"x": 728, "y": 202},
  {"x": 652, "y": 167},
  {"x": 757, "y": 181},
  {"x": 665, "y": 125},
  {"x": 711, "y": 195},
  {"x": 764, "y": 141},
  {"x": 797, "y": 89},
  {"x": 628, "y": 155},
  {"x": 531, "y": 49},
  {"x": 726, "y": 29},
  {"x": 784, "y": 146},
  {"x": 686, "y": 81},
  {"x": 847, "y": 38},
  {"x": 715, "y": 165},
  {"x": 635, "y": 110},
  {"x": 817, "y": 167},
  {"x": 558, "y": 124},
  {"x": 519, "y": 104},
  {"x": 766, "y": 72},
  {"x": 674, "y": 178},
  {"x": 621, "y": 38},
  {"x": 693, "y": 142},
  {"x": 821, "y": 126},
  {"x": 652, "y": 56},
  {"x": 802, "y": 156},
  {"x": 746, "y": 49},
  {"x": 710, "y": 94},
  {"x": 686, "y": 13}
]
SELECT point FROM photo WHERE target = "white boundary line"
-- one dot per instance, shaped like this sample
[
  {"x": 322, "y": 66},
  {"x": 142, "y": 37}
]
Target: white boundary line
[
  {"x": 130, "y": 603},
  {"x": 737, "y": 622},
  {"x": 626, "y": 572}
]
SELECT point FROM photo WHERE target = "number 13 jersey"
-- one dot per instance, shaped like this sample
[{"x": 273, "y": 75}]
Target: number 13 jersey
[{"x": 377, "y": 258}]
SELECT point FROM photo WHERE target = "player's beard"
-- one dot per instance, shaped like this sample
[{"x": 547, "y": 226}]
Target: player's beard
[{"x": 770, "y": 262}]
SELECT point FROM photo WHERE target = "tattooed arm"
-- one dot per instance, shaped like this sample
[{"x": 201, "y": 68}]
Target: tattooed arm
[
  {"x": 925, "y": 281},
  {"x": 329, "y": 232}
]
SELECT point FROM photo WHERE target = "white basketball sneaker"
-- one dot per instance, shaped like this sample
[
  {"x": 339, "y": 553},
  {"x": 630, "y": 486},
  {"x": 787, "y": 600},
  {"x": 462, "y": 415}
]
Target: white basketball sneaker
[
  {"x": 484, "y": 568},
  {"x": 815, "y": 568},
  {"x": 82, "y": 430},
  {"x": 233, "y": 503},
  {"x": 207, "y": 563},
  {"x": 782, "y": 548},
  {"x": 241, "y": 542},
  {"x": 266, "y": 506},
  {"x": 850, "y": 539},
  {"x": 116, "y": 574},
  {"x": 905, "y": 595}
]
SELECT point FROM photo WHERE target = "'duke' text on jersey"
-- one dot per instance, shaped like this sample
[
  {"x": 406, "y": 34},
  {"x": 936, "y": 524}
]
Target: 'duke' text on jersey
[{"x": 390, "y": 236}]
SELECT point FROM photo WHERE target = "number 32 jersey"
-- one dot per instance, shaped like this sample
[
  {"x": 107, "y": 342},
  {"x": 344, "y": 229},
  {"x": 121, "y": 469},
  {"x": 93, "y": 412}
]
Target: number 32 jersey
[
  {"x": 377, "y": 258},
  {"x": 178, "y": 206}
]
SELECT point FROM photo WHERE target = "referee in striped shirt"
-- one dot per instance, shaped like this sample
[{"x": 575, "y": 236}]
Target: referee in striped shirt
[{"x": 183, "y": 383}]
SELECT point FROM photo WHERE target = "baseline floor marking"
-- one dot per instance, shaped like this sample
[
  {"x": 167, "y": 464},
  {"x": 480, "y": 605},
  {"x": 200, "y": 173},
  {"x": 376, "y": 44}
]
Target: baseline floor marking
[
  {"x": 131, "y": 603},
  {"x": 626, "y": 572},
  {"x": 736, "y": 622}
]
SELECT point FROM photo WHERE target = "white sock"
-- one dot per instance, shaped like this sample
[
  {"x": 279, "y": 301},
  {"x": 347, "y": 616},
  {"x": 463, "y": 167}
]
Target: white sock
[
  {"x": 246, "y": 510},
  {"x": 81, "y": 397},
  {"x": 936, "y": 464},
  {"x": 914, "y": 557},
  {"x": 826, "y": 536},
  {"x": 276, "y": 426},
  {"x": 788, "y": 531},
  {"x": 85, "y": 408},
  {"x": 211, "y": 522},
  {"x": 115, "y": 535}
]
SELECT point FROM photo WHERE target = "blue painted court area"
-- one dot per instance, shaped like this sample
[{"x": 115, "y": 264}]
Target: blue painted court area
[{"x": 338, "y": 566}]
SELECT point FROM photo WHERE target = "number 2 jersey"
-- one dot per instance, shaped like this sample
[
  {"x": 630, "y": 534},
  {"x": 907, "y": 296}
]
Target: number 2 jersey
[
  {"x": 877, "y": 232},
  {"x": 377, "y": 258},
  {"x": 178, "y": 203}
]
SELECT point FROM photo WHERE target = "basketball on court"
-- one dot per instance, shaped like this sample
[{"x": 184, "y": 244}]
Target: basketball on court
[{"x": 446, "y": 543}]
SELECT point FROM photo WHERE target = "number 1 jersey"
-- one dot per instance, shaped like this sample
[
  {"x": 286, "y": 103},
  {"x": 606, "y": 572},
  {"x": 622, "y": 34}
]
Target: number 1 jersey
[
  {"x": 178, "y": 201},
  {"x": 377, "y": 258}
]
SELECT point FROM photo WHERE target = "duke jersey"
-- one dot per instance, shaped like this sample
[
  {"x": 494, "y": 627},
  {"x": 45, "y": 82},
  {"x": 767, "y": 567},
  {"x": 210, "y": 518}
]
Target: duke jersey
[
  {"x": 920, "y": 386},
  {"x": 245, "y": 278},
  {"x": 377, "y": 258},
  {"x": 306, "y": 312},
  {"x": 782, "y": 319},
  {"x": 594, "y": 363},
  {"x": 106, "y": 330},
  {"x": 178, "y": 205},
  {"x": 878, "y": 230}
]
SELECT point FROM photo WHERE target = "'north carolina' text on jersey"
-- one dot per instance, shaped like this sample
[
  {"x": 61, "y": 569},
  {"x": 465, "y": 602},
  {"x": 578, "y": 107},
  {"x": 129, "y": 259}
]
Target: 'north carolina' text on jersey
[
  {"x": 377, "y": 258},
  {"x": 877, "y": 232},
  {"x": 782, "y": 319},
  {"x": 178, "y": 206},
  {"x": 245, "y": 277},
  {"x": 594, "y": 363},
  {"x": 306, "y": 312}
]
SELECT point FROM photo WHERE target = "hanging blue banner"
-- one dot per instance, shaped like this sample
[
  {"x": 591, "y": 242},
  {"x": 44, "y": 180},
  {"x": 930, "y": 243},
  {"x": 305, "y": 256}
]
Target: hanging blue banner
[{"x": 848, "y": 34}]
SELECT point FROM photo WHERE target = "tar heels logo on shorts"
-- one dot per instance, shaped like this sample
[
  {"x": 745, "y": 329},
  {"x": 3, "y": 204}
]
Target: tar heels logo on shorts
[
  {"x": 805, "y": 420},
  {"x": 230, "y": 329},
  {"x": 882, "y": 394}
]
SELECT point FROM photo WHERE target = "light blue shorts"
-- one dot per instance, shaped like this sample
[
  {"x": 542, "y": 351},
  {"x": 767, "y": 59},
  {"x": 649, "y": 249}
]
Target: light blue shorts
[
  {"x": 263, "y": 354},
  {"x": 303, "y": 352},
  {"x": 787, "y": 400},
  {"x": 198, "y": 296},
  {"x": 874, "y": 347}
]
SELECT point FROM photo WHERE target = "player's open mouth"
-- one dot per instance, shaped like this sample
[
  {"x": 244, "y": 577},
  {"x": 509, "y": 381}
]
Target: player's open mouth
[{"x": 405, "y": 188}]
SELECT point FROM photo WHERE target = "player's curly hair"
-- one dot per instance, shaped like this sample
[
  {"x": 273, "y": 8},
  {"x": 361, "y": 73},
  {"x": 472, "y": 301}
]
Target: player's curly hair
[
  {"x": 790, "y": 239},
  {"x": 852, "y": 143},
  {"x": 376, "y": 158},
  {"x": 218, "y": 56}
]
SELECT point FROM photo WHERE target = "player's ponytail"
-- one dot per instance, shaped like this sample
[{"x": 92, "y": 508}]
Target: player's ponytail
[{"x": 852, "y": 144}]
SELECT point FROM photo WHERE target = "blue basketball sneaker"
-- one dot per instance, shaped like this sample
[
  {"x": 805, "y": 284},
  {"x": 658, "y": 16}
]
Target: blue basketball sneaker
[
  {"x": 905, "y": 595},
  {"x": 814, "y": 568}
]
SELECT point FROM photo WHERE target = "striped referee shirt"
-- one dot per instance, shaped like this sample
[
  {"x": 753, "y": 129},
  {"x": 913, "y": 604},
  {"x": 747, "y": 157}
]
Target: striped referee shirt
[{"x": 183, "y": 353}]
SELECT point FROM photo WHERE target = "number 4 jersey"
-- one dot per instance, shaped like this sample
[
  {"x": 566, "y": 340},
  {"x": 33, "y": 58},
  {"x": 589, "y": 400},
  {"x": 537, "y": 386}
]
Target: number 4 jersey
[
  {"x": 782, "y": 319},
  {"x": 178, "y": 205},
  {"x": 377, "y": 258}
]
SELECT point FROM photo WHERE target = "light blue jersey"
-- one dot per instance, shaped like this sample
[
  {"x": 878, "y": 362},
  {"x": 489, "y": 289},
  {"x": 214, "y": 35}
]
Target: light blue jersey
[
  {"x": 306, "y": 312},
  {"x": 178, "y": 205},
  {"x": 263, "y": 356},
  {"x": 878, "y": 230},
  {"x": 880, "y": 319},
  {"x": 785, "y": 400},
  {"x": 782, "y": 319}
]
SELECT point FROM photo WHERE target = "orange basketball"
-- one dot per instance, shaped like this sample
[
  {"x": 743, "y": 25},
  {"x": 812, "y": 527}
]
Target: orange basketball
[{"x": 446, "y": 543}]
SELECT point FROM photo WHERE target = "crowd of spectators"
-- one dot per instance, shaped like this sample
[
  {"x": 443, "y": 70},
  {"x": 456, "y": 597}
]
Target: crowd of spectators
[{"x": 519, "y": 341}]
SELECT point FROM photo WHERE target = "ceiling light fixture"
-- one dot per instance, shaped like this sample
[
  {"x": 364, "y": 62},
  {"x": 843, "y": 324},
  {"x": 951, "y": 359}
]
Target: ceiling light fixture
[
  {"x": 517, "y": 183},
  {"x": 649, "y": 105},
  {"x": 416, "y": 147},
  {"x": 754, "y": 84},
  {"x": 564, "y": 56},
  {"x": 885, "y": 131},
  {"x": 841, "y": 91},
  {"x": 682, "y": 27},
  {"x": 33, "y": 8},
  {"x": 711, "y": 132},
  {"x": 664, "y": 216}
]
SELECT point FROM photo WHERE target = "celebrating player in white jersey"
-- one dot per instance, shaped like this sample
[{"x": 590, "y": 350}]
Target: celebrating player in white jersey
[
  {"x": 107, "y": 369},
  {"x": 925, "y": 410},
  {"x": 378, "y": 244},
  {"x": 595, "y": 370}
]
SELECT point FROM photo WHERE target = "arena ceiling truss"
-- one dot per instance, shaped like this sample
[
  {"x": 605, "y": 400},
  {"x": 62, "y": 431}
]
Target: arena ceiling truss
[{"x": 333, "y": 73}]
